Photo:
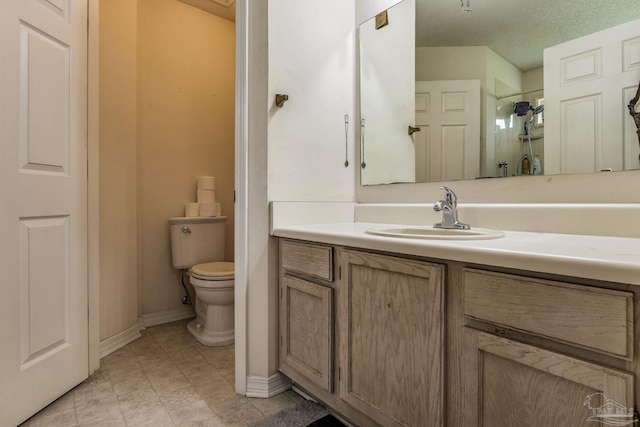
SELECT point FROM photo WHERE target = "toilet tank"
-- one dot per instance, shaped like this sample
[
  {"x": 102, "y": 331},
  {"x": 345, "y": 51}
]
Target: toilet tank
[{"x": 195, "y": 240}]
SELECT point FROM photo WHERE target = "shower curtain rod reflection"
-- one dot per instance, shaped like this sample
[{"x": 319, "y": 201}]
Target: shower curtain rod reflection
[{"x": 519, "y": 93}]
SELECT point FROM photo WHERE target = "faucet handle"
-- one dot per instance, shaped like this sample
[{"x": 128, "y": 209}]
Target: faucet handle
[{"x": 450, "y": 197}]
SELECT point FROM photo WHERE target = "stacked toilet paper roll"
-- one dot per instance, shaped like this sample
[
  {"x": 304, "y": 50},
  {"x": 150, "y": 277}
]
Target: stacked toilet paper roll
[
  {"x": 206, "y": 204},
  {"x": 206, "y": 189},
  {"x": 207, "y": 209},
  {"x": 206, "y": 194},
  {"x": 206, "y": 183},
  {"x": 192, "y": 209}
]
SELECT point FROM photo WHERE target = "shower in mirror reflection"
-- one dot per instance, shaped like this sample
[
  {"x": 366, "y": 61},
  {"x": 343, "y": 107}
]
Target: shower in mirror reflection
[
  {"x": 529, "y": 163},
  {"x": 520, "y": 134}
]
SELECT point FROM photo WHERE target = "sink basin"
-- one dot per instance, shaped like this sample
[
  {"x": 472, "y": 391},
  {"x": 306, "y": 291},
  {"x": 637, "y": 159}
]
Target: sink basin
[{"x": 430, "y": 233}]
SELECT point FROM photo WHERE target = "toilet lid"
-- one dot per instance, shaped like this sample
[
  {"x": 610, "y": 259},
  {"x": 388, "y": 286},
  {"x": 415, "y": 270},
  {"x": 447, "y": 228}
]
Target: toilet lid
[{"x": 213, "y": 269}]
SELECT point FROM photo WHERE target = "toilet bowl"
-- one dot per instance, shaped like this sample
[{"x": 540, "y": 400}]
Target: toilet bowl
[{"x": 214, "y": 286}]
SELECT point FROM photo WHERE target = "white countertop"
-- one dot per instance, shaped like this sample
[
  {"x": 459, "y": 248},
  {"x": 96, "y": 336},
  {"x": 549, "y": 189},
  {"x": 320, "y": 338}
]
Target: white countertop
[{"x": 614, "y": 259}]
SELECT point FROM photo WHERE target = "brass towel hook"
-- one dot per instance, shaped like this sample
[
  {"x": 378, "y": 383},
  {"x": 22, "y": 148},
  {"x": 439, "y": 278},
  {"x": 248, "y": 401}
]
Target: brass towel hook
[
  {"x": 413, "y": 130},
  {"x": 280, "y": 99}
]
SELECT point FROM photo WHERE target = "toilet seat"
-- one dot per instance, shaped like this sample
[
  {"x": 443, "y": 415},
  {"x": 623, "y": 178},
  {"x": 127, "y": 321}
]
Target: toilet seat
[{"x": 214, "y": 271}]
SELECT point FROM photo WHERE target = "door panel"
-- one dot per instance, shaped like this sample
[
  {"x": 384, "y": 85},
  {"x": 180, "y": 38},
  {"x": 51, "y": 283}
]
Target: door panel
[
  {"x": 448, "y": 145},
  {"x": 391, "y": 338},
  {"x": 306, "y": 321},
  {"x": 43, "y": 216},
  {"x": 44, "y": 107},
  {"x": 44, "y": 286},
  {"x": 520, "y": 384}
]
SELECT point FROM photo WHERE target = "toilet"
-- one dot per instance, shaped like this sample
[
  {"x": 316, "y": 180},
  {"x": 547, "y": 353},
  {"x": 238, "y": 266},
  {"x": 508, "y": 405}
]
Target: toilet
[{"x": 197, "y": 245}]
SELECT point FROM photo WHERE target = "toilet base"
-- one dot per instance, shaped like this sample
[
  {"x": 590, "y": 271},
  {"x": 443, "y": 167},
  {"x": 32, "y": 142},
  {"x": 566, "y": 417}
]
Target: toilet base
[{"x": 210, "y": 338}]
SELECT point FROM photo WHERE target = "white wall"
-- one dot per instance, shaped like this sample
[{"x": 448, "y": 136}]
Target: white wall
[
  {"x": 604, "y": 187},
  {"x": 311, "y": 60},
  {"x": 260, "y": 298},
  {"x": 292, "y": 153},
  {"x": 387, "y": 96}
]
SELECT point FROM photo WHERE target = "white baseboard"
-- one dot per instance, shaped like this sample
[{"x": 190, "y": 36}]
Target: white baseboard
[
  {"x": 162, "y": 317},
  {"x": 267, "y": 387},
  {"x": 116, "y": 342}
]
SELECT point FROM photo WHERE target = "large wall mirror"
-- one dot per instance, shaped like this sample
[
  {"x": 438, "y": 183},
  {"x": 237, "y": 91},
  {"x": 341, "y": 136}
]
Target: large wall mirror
[{"x": 498, "y": 89}]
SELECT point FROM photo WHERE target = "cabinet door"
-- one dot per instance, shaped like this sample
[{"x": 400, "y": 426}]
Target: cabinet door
[
  {"x": 391, "y": 338},
  {"x": 520, "y": 384},
  {"x": 306, "y": 339}
]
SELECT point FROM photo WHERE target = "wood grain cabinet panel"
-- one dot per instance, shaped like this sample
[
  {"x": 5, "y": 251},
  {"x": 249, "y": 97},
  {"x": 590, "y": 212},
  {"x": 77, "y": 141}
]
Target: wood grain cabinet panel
[
  {"x": 309, "y": 259},
  {"x": 306, "y": 336},
  {"x": 391, "y": 338},
  {"x": 598, "y": 319},
  {"x": 520, "y": 384}
]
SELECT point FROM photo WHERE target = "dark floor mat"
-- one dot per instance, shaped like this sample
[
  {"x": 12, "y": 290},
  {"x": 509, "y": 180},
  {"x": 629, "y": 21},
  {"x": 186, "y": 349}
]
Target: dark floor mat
[{"x": 326, "y": 421}]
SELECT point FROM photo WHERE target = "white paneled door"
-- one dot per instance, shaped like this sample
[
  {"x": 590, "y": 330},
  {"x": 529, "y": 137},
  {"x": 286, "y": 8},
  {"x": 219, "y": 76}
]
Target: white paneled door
[
  {"x": 448, "y": 145},
  {"x": 588, "y": 83},
  {"x": 43, "y": 203}
]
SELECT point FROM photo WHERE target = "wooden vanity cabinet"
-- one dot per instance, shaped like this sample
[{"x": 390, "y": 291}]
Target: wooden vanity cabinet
[
  {"x": 364, "y": 335},
  {"x": 510, "y": 371},
  {"x": 394, "y": 341},
  {"x": 392, "y": 338}
]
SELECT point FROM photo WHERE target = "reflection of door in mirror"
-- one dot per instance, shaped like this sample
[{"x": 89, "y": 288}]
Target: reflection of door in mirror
[
  {"x": 496, "y": 45},
  {"x": 387, "y": 81},
  {"x": 588, "y": 82},
  {"x": 448, "y": 147}
]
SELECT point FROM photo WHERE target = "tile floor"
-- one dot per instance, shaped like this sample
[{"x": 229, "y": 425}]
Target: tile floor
[{"x": 165, "y": 378}]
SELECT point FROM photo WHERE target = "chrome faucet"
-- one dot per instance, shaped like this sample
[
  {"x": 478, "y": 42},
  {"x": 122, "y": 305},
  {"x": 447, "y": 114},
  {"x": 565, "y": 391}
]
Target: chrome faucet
[{"x": 449, "y": 208}]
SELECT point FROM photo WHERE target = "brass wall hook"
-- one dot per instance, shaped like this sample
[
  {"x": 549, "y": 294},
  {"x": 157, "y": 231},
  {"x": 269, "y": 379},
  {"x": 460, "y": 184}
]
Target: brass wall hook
[
  {"x": 413, "y": 130},
  {"x": 280, "y": 99}
]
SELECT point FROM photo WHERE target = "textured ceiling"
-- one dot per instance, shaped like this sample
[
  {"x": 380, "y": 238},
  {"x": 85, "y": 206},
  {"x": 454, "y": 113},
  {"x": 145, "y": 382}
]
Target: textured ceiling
[{"x": 517, "y": 30}]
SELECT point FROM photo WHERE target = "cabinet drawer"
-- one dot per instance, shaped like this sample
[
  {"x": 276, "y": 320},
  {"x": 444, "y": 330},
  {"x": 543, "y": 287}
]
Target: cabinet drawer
[
  {"x": 312, "y": 260},
  {"x": 594, "y": 318}
]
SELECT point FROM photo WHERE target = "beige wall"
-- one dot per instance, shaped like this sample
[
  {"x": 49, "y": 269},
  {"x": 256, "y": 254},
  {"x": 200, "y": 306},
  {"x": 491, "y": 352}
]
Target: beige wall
[
  {"x": 451, "y": 63},
  {"x": 186, "y": 66},
  {"x": 117, "y": 165},
  {"x": 166, "y": 117}
]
